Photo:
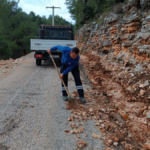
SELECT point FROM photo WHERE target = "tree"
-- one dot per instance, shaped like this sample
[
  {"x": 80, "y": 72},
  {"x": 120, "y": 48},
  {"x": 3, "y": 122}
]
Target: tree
[
  {"x": 17, "y": 28},
  {"x": 85, "y": 10}
]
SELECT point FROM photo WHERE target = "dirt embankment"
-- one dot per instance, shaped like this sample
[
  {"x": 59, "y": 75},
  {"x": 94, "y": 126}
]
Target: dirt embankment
[{"x": 116, "y": 58}]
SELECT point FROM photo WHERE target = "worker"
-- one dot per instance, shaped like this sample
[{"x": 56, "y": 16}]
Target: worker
[{"x": 69, "y": 63}]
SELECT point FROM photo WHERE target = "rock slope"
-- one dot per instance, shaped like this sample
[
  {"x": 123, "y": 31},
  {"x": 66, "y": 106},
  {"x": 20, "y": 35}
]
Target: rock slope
[{"x": 116, "y": 57}]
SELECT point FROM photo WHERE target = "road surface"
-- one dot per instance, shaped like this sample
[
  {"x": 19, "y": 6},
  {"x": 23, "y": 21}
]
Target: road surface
[{"x": 33, "y": 115}]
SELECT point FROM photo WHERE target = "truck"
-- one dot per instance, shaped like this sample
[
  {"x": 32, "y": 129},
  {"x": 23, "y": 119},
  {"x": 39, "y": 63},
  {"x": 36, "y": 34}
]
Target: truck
[{"x": 49, "y": 36}]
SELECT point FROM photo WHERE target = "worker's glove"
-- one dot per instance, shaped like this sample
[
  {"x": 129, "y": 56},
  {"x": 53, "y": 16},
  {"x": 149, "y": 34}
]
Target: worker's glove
[
  {"x": 49, "y": 51},
  {"x": 61, "y": 76}
]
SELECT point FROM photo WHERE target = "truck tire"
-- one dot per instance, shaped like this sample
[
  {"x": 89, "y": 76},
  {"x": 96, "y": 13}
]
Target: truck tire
[{"x": 38, "y": 62}]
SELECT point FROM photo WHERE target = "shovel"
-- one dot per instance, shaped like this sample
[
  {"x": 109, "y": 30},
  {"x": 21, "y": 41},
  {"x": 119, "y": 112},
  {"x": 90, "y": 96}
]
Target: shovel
[{"x": 69, "y": 96}]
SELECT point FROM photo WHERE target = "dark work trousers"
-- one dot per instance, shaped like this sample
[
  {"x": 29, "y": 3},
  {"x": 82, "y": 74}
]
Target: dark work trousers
[{"x": 76, "y": 74}]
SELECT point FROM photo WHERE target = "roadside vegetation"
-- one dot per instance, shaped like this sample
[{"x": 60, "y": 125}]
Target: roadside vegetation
[
  {"x": 18, "y": 27},
  {"x": 87, "y": 11}
]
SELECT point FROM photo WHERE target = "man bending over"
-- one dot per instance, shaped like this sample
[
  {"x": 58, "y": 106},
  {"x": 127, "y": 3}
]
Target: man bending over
[{"x": 69, "y": 63}]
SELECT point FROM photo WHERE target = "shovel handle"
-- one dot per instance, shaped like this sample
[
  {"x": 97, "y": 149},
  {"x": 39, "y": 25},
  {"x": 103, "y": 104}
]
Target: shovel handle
[{"x": 59, "y": 74}]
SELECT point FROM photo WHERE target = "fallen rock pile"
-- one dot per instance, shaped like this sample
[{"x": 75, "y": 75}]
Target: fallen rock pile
[
  {"x": 6, "y": 65},
  {"x": 123, "y": 44},
  {"x": 115, "y": 55},
  {"x": 123, "y": 118},
  {"x": 107, "y": 119}
]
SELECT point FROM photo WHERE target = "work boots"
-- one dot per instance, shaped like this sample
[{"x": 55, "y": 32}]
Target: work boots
[
  {"x": 82, "y": 99},
  {"x": 65, "y": 98}
]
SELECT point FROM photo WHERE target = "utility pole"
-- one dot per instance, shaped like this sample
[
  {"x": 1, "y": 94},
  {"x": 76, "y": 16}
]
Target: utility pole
[{"x": 53, "y": 13}]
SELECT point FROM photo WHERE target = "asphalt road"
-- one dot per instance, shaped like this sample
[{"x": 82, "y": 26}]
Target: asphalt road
[{"x": 33, "y": 115}]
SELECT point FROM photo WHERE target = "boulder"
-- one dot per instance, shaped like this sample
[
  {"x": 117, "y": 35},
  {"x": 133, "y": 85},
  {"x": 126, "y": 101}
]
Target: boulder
[
  {"x": 142, "y": 51},
  {"x": 132, "y": 61},
  {"x": 132, "y": 18},
  {"x": 107, "y": 43},
  {"x": 143, "y": 47},
  {"x": 122, "y": 74},
  {"x": 138, "y": 68},
  {"x": 147, "y": 18},
  {"x": 127, "y": 36},
  {"x": 127, "y": 44},
  {"x": 112, "y": 18},
  {"x": 144, "y": 36}
]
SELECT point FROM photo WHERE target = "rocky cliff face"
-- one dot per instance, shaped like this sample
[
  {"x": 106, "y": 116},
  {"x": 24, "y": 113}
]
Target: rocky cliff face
[{"x": 116, "y": 57}]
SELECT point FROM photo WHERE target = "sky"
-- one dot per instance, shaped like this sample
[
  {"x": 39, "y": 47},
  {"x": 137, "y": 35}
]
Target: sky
[{"x": 39, "y": 8}]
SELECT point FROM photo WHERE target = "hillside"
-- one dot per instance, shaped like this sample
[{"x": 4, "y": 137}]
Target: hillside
[{"x": 115, "y": 51}]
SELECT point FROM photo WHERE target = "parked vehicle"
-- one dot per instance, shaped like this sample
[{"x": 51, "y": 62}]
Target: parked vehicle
[{"x": 48, "y": 37}]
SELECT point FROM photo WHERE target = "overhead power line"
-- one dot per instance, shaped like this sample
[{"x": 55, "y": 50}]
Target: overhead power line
[
  {"x": 42, "y": 4},
  {"x": 58, "y": 2},
  {"x": 49, "y": 2}
]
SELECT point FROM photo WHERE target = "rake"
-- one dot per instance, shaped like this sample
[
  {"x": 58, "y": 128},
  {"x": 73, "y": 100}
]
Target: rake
[{"x": 69, "y": 96}]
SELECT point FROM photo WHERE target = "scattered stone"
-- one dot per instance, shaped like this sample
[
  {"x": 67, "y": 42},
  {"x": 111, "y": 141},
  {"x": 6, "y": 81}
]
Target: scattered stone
[
  {"x": 77, "y": 135},
  {"x": 75, "y": 131},
  {"x": 115, "y": 143},
  {"x": 107, "y": 126},
  {"x": 122, "y": 74},
  {"x": 67, "y": 131},
  {"x": 116, "y": 140},
  {"x": 81, "y": 144},
  {"x": 96, "y": 136},
  {"x": 148, "y": 117},
  {"x": 142, "y": 92},
  {"x": 84, "y": 114},
  {"x": 142, "y": 85},
  {"x": 123, "y": 114},
  {"x": 97, "y": 123},
  {"x": 71, "y": 118},
  {"x": 109, "y": 142},
  {"x": 91, "y": 111},
  {"x": 144, "y": 108},
  {"x": 138, "y": 68},
  {"x": 146, "y": 146}
]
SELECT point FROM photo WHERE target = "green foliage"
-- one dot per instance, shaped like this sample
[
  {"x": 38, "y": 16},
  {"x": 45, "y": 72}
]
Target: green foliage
[
  {"x": 91, "y": 10},
  {"x": 17, "y": 28}
]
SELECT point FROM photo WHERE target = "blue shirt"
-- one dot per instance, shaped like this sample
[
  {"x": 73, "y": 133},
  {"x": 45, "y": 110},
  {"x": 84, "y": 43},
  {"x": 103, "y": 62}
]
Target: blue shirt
[{"x": 66, "y": 59}]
